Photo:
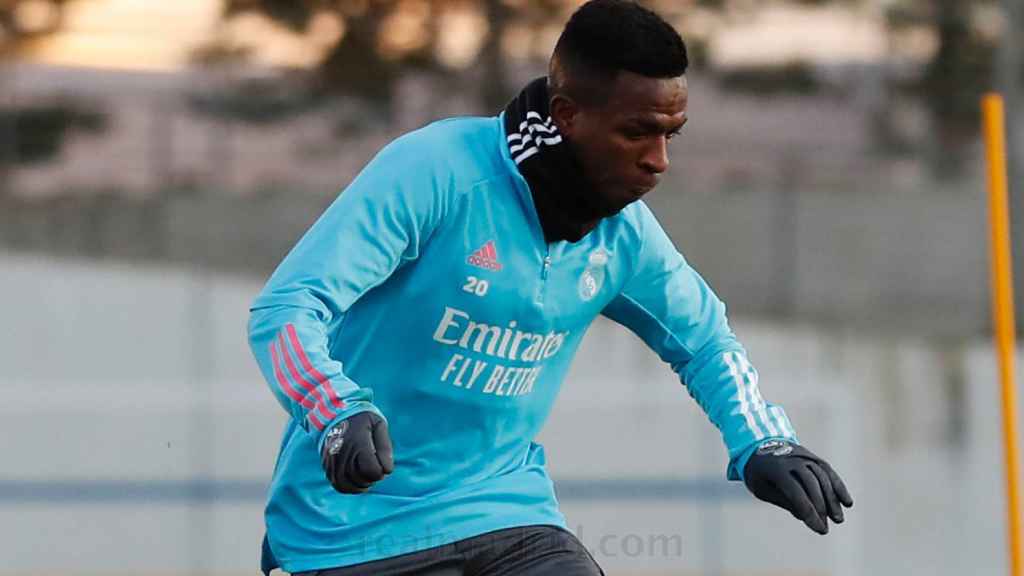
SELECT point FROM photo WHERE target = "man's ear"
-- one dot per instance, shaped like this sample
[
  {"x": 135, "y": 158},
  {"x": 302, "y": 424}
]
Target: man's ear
[{"x": 565, "y": 112}]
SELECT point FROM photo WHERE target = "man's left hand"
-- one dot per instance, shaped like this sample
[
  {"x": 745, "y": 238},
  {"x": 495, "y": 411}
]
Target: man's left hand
[{"x": 792, "y": 477}]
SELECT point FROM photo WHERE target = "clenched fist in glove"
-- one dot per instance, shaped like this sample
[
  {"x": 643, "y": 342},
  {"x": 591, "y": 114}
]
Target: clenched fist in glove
[
  {"x": 357, "y": 453},
  {"x": 790, "y": 476}
]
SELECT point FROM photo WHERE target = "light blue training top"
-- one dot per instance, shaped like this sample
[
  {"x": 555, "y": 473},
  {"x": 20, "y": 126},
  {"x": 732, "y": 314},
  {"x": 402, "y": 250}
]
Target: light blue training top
[{"x": 427, "y": 293}]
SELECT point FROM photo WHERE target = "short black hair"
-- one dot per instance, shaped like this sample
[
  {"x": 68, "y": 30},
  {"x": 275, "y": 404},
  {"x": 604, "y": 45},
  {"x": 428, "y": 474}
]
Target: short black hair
[{"x": 604, "y": 37}]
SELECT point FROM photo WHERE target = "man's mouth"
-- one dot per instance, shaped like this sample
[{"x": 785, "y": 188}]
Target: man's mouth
[
  {"x": 646, "y": 185},
  {"x": 638, "y": 191}
]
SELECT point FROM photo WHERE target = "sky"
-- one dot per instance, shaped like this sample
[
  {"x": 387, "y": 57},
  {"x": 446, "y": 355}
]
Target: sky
[
  {"x": 131, "y": 34},
  {"x": 150, "y": 35}
]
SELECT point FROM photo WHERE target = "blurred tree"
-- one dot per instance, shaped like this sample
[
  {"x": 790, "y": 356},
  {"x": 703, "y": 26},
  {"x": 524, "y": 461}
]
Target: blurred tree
[
  {"x": 948, "y": 85},
  {"x": 23, "y": 21},
  {"x": 961, "y": 68},
  {"x": 789, "y": 77},
  {"x": 35, "y": 132},
  {"x": 40, "y": 128},
  {"x": 384, "y": 38}
]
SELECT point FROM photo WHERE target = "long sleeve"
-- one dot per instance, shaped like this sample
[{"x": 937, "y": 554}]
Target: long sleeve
[
  {"x": 671, "y": 308},
  {"x": 379, "y": 222}
]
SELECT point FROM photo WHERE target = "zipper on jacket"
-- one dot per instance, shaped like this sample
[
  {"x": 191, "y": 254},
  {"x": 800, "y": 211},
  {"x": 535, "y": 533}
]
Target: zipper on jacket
[{"x": 545, "y": 268}]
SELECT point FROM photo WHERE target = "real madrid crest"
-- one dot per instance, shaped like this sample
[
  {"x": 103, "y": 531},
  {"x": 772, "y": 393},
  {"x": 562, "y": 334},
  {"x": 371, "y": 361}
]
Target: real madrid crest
[{"x": 592, "y": 279}]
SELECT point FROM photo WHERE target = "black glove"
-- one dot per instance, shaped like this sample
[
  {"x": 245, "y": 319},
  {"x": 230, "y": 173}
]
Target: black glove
[
  {"x": 357, "y": 453},
  {"x": 790, "y": 476}
]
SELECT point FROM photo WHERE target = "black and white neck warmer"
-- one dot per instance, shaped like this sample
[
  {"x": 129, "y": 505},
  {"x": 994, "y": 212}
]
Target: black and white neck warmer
[{"x": 565, "y": 202}]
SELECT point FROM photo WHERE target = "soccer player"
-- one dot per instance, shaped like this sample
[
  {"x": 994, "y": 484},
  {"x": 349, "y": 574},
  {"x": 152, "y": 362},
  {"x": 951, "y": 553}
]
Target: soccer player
[{"x": 419, "y": 332}]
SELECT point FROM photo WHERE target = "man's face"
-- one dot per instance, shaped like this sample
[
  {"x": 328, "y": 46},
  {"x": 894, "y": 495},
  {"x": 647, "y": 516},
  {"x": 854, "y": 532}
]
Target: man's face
[{"x": 623, "y": 142}]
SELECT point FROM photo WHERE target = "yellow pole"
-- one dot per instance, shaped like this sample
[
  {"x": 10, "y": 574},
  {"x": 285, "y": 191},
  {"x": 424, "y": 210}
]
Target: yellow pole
[{"x": 1002, "y": 308}]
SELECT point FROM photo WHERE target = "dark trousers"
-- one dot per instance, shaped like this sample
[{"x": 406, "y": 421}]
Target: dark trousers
[{"x": 533, "y": 550}]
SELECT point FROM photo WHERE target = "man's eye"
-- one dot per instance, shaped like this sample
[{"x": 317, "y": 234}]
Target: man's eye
[{"x": 673, "y": 134}]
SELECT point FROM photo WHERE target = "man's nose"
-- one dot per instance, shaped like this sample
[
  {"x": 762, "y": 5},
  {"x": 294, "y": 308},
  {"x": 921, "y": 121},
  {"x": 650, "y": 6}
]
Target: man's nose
[{"x": 655, "y": 158}]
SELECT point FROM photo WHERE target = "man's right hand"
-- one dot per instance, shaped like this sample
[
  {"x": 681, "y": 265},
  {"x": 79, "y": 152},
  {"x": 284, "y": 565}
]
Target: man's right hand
[{"x": 357, "y": 452}]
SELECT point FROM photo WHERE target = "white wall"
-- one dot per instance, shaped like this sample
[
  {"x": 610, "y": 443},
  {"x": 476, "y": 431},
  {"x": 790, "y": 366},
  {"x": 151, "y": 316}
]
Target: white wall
[{"x": 142, "y": 375}]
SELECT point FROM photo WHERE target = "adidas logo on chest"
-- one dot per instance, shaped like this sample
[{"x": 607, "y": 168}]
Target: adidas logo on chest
[{"x": 485, "y": 257}]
